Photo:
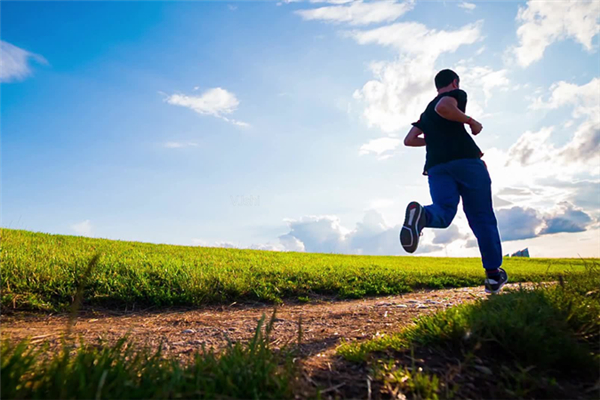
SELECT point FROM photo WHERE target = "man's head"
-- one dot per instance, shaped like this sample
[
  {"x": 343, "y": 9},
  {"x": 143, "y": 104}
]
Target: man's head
[{"x": 446, "y": 80}]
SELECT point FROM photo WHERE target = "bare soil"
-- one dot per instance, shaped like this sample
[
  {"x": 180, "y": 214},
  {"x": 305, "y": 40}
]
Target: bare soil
[{"x": 325, "y": 323}]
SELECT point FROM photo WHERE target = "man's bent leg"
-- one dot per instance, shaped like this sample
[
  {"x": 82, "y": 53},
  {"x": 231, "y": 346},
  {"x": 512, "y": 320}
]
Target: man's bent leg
[{"x": 445, "y": 196}]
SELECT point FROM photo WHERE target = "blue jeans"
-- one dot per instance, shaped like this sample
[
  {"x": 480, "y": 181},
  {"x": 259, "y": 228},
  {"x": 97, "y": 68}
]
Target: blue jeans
[{"x": 467, "y": 179}]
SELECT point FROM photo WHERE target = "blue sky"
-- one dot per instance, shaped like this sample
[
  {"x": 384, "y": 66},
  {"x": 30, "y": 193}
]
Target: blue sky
[{"x": 279, "y": 125}]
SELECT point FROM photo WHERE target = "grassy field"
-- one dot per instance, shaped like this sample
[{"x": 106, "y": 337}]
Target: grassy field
[
  {"x": 43, "y": 272},
  {"x": 542, "y": 343},
  {"x": 96, "y": 371}
]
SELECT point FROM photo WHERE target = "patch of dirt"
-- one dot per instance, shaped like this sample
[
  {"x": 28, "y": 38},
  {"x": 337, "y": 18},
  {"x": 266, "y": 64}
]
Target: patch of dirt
[{"x": 180, "y": 332}]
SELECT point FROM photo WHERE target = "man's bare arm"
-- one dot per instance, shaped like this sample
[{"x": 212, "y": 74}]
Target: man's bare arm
[
  {"x": 413, "y": 139},
  {"x": 447, "y": 108}
]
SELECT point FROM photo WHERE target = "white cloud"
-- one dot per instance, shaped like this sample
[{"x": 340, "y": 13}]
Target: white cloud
[
  {"x": 402, "y": 88},
  {"x": 83, "y": 228},
  {"x": 318, "y": 234},
  {"x": 382, "y": 147},
  {"x": 178, "y": 145},
  {"x": 200, "y": 242},
  {"x": 231, "y": 7},
  {"x": 291, "y": 243},
  {"x": 266, "y": 247},
  {"x": 380, "y": 203},
  {"x": 325, "y": 234},
  {"x": 535, "y": 162},
  {"x": 584, "y": 147},
  {"x": 204, "y": 243},
  {"x": 217, "y": 102},
  {"x": 358, "y": 13},
  {"x": 416, "y": 39},
  {"x": 448, "y": 235},
  {"x": 585, "y": 98},
  {"x": 566, "y": 218},
  {"x": 482, "y": 78},
  {"x": 544, "y": 22},
  {"x": 332, "y": 1},
  {"x": 518, "y": 223},
  {"x": 499, "y": 202},
  {"x": 467, "y": 6},
  {"x": 532, "y": 148},
  {"x": 14, "y": 62},
  {"x": 225, "y": 245}
]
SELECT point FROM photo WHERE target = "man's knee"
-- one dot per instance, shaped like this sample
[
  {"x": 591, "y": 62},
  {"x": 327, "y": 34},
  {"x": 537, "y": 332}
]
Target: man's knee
[{"x": 448, "y": 216}]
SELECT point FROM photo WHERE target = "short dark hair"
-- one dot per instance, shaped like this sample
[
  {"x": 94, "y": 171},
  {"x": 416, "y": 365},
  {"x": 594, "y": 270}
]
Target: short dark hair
[{"x": 445, "y": 77}]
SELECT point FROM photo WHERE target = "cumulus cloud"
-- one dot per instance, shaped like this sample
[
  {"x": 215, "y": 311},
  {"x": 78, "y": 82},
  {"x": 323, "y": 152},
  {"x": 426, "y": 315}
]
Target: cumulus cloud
[
  {"x": 402, "y": 88},
  {"x": 467, "y": 6},
  {"x": 531, "y": 148},
  {"x": 15, "y": 62},
  {"x": 358, "y": 13},
  {"x": 500, "y": 202},
  {"x": 225, "y": 245},
  {"x": 332, "y": 1},
  {"x": 585, "y": 145},
  {"x": 566, "y": 219},
  {"x": 518, "y": 223},
  {"x": 382, "y": 147},
  {"x": 178, "y": 145},
  {"x": 83, "y": 228},
  {"x": 585, "y": 101},
  {"x": 217, "y": 102},
  {"x": 416, "y": 39},
  {"x": 583, "y": 193},
  {"x": 291, "y": 243},
  {"x": 534, "y": 158},
  {"x": 471, "y": 243},
  {"x": 325, "y": 234},
  {"x": 222, "y": 244},
  {"x": 448, "y": 235},
  {"x": 266, "y": 246},
  {"x": 318, "y": 234},
  {"x": 545, "y": 22},
  {"x": 482, "y": 78}
]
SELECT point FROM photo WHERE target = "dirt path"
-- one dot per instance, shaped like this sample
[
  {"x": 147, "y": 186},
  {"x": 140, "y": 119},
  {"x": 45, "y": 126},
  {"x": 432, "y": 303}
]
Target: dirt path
[{"x": 324, "y": 322}]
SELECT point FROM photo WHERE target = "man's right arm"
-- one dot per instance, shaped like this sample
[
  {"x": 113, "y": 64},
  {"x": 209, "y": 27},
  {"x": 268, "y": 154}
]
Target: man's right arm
[{"x": 447, "y": 108}]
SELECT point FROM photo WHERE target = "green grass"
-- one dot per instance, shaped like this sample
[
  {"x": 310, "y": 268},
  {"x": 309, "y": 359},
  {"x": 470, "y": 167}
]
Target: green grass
[
  {"x": 242, "y": 371},
  {"x": 528, "y": 339},
  {"x": 42, "y": 272}
]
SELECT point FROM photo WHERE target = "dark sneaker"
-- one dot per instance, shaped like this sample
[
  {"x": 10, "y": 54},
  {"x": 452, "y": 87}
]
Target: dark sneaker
[
  {"x": 414, "y": 222},
  {"x": 494, "y": 284}
]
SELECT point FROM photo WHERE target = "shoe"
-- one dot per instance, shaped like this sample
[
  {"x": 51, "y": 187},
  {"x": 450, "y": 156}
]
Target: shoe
[
  {"x": 494, "y": 285},
  {"x": 414, "y": 222}
]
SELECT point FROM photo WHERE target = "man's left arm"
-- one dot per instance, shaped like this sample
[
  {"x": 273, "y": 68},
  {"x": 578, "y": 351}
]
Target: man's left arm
[{"x": 413, "y": 139}]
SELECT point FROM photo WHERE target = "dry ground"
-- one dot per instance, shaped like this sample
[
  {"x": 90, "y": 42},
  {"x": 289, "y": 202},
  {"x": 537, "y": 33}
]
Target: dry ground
[{"x": 325, "y": 322}]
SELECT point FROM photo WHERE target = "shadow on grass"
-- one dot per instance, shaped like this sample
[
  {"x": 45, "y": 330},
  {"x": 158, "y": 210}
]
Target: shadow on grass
[{"x": 531, "y": 343}]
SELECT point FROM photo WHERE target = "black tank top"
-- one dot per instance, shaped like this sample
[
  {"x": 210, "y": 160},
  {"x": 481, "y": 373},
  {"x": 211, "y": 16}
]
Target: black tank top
[{"x": 446, "y": 140}]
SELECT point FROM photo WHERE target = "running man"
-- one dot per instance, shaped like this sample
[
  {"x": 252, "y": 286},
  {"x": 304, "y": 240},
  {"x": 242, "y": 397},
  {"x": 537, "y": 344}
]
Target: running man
[{"x": 455, "y": 170}]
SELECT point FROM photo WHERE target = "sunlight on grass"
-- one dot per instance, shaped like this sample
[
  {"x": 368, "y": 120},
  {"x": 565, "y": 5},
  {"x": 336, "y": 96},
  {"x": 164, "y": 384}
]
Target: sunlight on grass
[{"x": 42, "y": 272}]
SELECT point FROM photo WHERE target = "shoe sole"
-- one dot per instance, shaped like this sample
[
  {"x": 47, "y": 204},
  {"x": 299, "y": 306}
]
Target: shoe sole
[
  {"x": 499, "y": 289},
  {"x": 409, "y": 237}
]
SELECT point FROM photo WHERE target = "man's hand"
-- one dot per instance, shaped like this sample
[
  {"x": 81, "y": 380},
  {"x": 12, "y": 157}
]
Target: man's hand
[{"x": 476, "y": 127}]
